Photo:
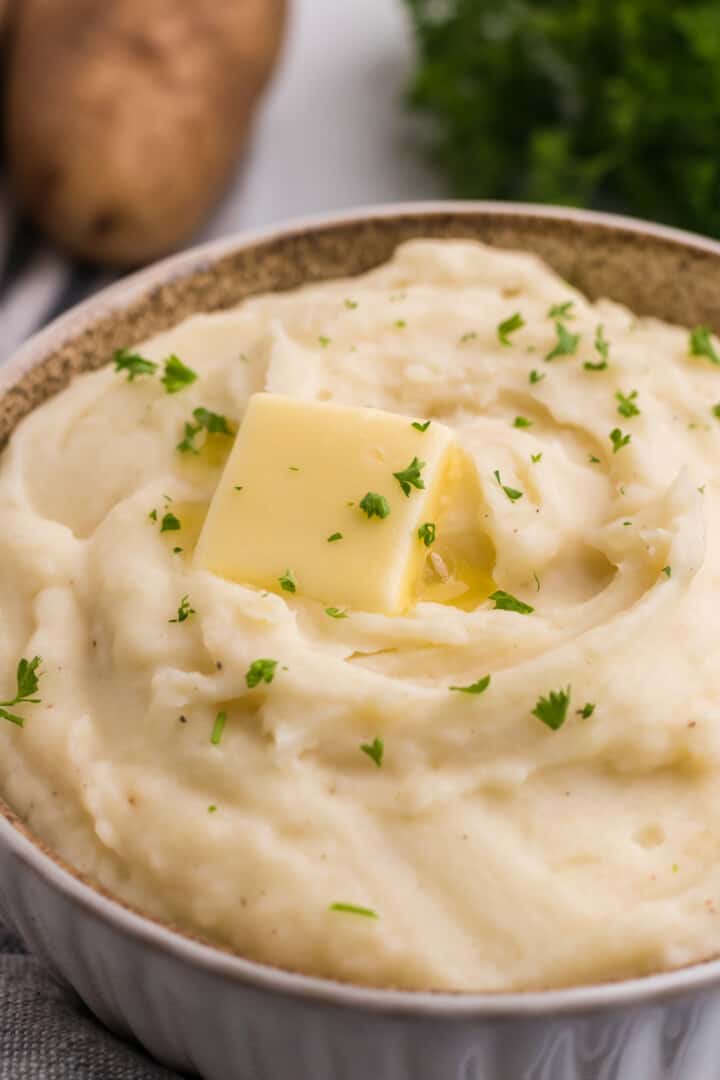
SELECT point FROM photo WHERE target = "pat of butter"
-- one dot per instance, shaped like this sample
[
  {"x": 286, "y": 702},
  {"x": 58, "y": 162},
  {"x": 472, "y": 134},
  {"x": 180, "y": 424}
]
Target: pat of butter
[{"x": 296, "y": 477}]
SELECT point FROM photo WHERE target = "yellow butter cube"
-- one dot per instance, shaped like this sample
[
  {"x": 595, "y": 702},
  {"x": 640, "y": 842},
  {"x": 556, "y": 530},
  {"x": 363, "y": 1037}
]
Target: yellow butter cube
[{"x": 309, "y": 503}]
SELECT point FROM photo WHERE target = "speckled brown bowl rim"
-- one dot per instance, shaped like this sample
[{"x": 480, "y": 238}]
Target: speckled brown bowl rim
[{"x": 115, "y": 318}]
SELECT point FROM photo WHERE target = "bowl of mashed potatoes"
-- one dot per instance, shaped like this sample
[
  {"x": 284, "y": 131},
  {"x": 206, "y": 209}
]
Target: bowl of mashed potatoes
[{"x": 360, "y": 649}]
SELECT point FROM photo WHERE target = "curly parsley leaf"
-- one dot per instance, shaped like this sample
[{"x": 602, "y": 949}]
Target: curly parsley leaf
[
  {"x": 478, "y": 687},
  {"x": 426, "y": 533},
  {"x": 552, "y": 710},
  {"x": 509, "y": 326},
  {"x": 133, "y": 364},
  {"x": 701, "y": 344},
  {"x": 375, "y": 505},
  {"x": 27, "y": 682},
  {"x": 287, "y": 581},
  {"x": 374, "y": 750},
  {"x": 421, "y": 427},
  {"x": 562, "y": 311},
  {"x": 626, "y": 403},
  {"x": 505, "y": 601},
  {"x": 177, "y": 375},
  {"x": 260, "y": 671},
  {"x": 410, "y": 477},
  {"x": 170, "y": 523},
  {"x": 184, "y": 611},
  {"x": 587, "y": 710},
  {"x": 205, "y": 420},
  {"x": 566, "y": 344},
  {"x": 618, "y": 440}
]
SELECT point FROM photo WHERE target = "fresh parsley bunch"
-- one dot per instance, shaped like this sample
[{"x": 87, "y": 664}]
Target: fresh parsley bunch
[{"x": 610, "y": 103}]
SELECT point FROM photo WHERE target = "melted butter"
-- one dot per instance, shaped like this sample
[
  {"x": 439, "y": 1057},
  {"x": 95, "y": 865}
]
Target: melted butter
[{"x": 458, "y": 570}]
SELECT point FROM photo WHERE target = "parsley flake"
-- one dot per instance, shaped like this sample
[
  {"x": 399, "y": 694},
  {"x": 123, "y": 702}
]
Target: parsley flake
[
  {"x": 566, "y": 344},
  {"x": 667, "y": 571},
  {"x": 353, "y": 909},
  {"x": 469, "y": 336},
  {"x": 374, "y": 750},
  {"x": 626, "y": 403},
  {"x": 535, "y": 377},
  {"x": 509, "y": 326},
  {"x": 593, "y": 460},
  {"x": 410, "y": 477},
  {"x": 426, "y": 533},
  {"x": 133, "y": 364},
  {"x": 350, "y": 304},
  {"x": 287, "y": 581},
  {"x": 562, "y": 311},
  {"x": 504, "y": 601},
  {"x": 324, "y": 341},
  {"x": 336, "y": 612},
  {"x": 374, "y": 505},
  {"x": 400, "y": 324},
  {"x": 536, "y": 457},
  {"x": 512, "y": 493},
  {"x": 421, "y": 427},
  {"x": 27, "y": 681},
  {"x": 701, "y": 344},
  {"x": 522, "y": 421},
  {"x": 153, "y": 515},
  {"x": 260, "y": 671},
  {"x": 716, "y": 410},
  {"x": 586, "y": 711},
  {"x": 170, "y": 523},
  {"x": 478, "y": 687},
  {"x": 552, "y": 710},
  {"x": 177, "y": 375},
  {"x": 184, "y": 611},
  {"x": 205, "y": 420},
  {"x": 333, "y": 537},
  {"x": 218, "y": 728},
  {"x": 618, "y": 440}
]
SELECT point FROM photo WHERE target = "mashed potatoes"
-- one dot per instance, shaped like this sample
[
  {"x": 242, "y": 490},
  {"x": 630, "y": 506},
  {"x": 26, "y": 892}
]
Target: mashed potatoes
[{"x": 506, "y": 838}]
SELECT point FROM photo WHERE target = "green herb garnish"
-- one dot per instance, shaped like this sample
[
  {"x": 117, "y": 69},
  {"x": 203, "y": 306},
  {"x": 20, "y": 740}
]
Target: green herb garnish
[
  {"x": 177, "y": 375},
  {"x": 562, "y": 311},
  {"x": 593, "y": 460},
  {"x": 535, "y": 377},
  {"x": 509, "y": 326},
  {"x": 426, "y": 533},
  {"x": 170, "y": 523},
  {"x": 218, "y": 728},
  {"x": 552, "y": 710},
  {"x": 470, "y": 335},
  {"x": 27, "y": 681},
  {"x": 133, "y": 364},
  {"x": 374, "y": 750},
  {"x": 324, "y": 341},
  {"x": 618, "y": 440},
  {"x": 350, "y": 304},
  {"x": 205, "y": 420},
  {"x": 521, "y": 422},
  {"x": 375, "y": 505},
  {"x": 504, "y": 601},
  {"x": 536, "y": 457},
  {"x": 333, "y": 537},
  {"x": 260, "y": 671},
  {"x": 421, "y": 427},
  {"x": 667, "y": 571},
  {"x": 336, "y": 612},
  {"x": 626, "y": 403},
  {"x": 716, "y": 411},
  {"x": 512, "y": 493},
  {"x": 586, "y": 711},
  {"x": 478, "y": 687},
  {"x": 410, "y": 477},
  {"x": 287, "y": 581},
  {"x": 566, "y": 344},
  {"x": 701, "y": 344},
  {"x": 184, "y": 611},
  {"x": 353, "y": 909}
]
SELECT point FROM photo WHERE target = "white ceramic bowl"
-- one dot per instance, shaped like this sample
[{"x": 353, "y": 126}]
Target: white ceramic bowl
[{"x": 199, "y": 1008}]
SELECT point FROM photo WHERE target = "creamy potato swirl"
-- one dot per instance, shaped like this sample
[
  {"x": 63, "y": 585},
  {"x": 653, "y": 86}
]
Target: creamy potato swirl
[{"x": 495, "y": 852}]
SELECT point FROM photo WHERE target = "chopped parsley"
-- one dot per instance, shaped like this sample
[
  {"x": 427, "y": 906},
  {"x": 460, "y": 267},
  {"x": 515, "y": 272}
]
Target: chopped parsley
[
  {"x": 184, "y": 611},
  {"x": 618, "y": 440},
  {"x": 602, "y": 345},
  {"x": 133, "y": 364},
  {"x": 626, "y": 403},
  {"x": 333, "y": 537},
  {"x": 536, "y": 457},
  {"x": 212, "y": 809},
  {"x": 535, "y": 377},
  {"x": 238, "y": 487},
  {"x": 375, "y": 505},
  {"x": 205, "y": 420},
  {"x": 287, "y": 581},
  {"x": 504, "y": 601},
  {"x": 522, "y": 421},
  {"x": 667, "y": 571},
  {"x": 170, "y": 523},
  {"x": 400, "y": 324},
  {"x": 324, "y": 341},
  {"x": 426, "y": 533},
  {"x": 410, "y": 477},
  {"x": 153, "y": 515},
  {"x": 353, "y": 909},
  {"x": 600, "y": 366},
  {"x": 374, "y": 750},
  {"x": 350, "y": 304},
  {"x": 478, "y": 687},
  {"x": 593, "y": 460},
  {"x": 562, "y": 311},
  {"x": 421, "y": 427},
  {"x": 566, "y": 344},
  {"x": 218, "y": 728},
  {"x": 512, "y": 493},
  {"x": 177, "y": 375},
  {"x": 701, "y": 344},
  {"x": 716, "y": 410},
  {"x": 587, "y": 710},
  {"x": 27, "y": 681},
  {"x": 260, "y": 671},
  {"x": 552, "y": 710},
  {"x": 294, "y": 468},
  {"x": 469, "y": 336},
  {"x": 336, "y": 612},
  {"x": 509, "y": 326}
]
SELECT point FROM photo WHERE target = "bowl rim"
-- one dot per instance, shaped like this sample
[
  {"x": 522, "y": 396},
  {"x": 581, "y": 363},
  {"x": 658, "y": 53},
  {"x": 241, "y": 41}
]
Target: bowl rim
[{"x": 95, "y": 901}]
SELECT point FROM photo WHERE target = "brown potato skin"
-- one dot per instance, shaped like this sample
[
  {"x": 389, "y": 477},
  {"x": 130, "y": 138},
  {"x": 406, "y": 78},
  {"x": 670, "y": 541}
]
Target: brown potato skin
[{"x": 125, "y": 118}]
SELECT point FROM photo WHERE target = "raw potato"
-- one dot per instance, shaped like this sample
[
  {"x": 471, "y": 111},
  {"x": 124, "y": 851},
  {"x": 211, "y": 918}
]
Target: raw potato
[{"x": 125, "y": 120}]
